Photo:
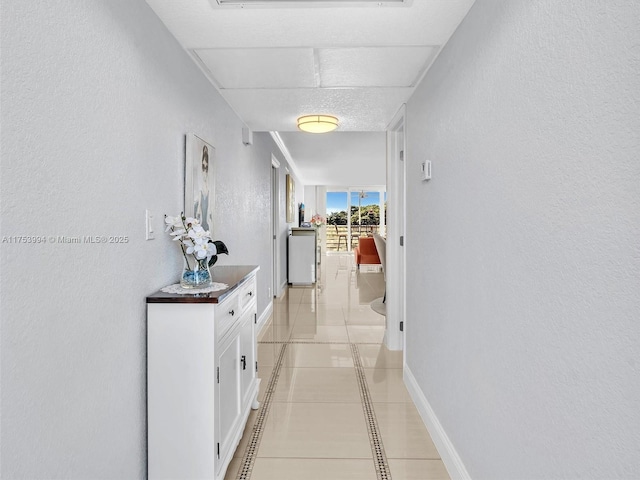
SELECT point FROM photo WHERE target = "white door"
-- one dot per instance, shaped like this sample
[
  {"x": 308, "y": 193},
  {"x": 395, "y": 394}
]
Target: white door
[
  {"x": 228, "y": 379},
  {"x": 247, "y": 356},
  {"x": 395, "y": 258}
]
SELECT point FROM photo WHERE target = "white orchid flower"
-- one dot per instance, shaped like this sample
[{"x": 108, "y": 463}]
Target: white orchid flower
[
  {"x": 172, "y": 222},
  {"x": 204, "y": 250},
  {"x": 198, "y": 234},
  {"x": 190, "y": 246},
  {"x": 194, "y": 240},
  {"x": 191, "y": 221},
  {"x": 177, "y": 234}
]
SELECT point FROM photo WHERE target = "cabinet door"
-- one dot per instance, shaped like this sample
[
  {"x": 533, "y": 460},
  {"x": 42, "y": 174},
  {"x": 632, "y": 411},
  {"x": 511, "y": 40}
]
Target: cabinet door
[
  {"x": 228, "y": 392},
  {"x": 247, "y": 356}
]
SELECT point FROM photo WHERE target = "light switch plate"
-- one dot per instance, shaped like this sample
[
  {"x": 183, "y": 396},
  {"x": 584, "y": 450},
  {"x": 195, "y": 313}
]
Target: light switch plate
[
  {"x": 426, "y": 170},
  {"x": 148, "y": 224}
]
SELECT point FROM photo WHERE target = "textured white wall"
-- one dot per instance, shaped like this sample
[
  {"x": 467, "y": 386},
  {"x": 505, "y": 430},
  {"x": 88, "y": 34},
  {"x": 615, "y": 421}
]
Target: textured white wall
[
  {"x": 309, "y": 202},
  {"x": 96, "y": 99},
  {"x": 524, "y": 249},
  {"x": 340, "y": 158}
]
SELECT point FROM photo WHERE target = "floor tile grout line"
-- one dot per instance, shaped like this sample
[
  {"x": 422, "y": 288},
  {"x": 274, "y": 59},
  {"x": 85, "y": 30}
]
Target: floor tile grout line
[
  {"x": 314, "y": 342},
  {"x": 251, "y": 451},
  {"x": 381, "y": 464},
  {"x": 249, "y": 457},
  {"x": 367, "y": 459},
  {"x": 426, "y": 459}
]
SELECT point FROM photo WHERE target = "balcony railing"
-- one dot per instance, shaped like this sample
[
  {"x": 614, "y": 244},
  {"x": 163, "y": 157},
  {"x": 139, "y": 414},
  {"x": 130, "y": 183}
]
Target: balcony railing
[{"x": 337, "y": 241}]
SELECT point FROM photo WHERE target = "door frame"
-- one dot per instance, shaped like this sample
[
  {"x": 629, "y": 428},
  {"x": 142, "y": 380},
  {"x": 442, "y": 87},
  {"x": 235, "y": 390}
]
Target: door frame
[
  {"x": 395, "y": 268},
  {"x": 275, "y": 226}
]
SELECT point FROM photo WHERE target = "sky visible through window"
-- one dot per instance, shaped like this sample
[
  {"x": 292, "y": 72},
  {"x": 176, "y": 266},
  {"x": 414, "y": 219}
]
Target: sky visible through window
[{"x": 337, "y": 201}]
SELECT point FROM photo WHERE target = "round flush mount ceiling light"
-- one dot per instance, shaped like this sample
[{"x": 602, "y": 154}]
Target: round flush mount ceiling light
[{"x": 317, "y": 123}]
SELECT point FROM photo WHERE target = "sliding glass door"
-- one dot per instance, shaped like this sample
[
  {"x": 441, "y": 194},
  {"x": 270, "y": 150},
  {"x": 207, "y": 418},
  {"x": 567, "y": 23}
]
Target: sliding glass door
[
  {"x": 365, "y": 213},
  {"x": 353, "y": 213},
  {"x": 338, "y": 221}
]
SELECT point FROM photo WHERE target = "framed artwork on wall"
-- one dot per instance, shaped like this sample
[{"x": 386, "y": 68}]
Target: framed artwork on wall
[
  {"x": 199, "y": 181},
  {"x": 291, "y": 199}
]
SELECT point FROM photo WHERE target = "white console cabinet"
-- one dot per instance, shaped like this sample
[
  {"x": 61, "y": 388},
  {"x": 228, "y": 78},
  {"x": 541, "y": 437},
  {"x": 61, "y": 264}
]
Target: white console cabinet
[{"x": 201, "y": 376}]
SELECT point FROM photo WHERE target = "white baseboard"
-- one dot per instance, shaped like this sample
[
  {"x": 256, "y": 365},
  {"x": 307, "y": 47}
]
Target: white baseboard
[
  {"x": 264, "y": 316},
  {"x": 366, "y": 268},
  {"x": 447, "y": 451},
  {"x": 284, "y": 285}
]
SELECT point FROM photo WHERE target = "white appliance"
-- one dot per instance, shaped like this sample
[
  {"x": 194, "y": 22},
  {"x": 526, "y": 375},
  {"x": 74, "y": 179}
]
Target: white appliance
[{"x": 302, "y": 256}]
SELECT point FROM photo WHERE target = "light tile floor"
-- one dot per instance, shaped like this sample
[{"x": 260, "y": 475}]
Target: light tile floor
[{"x": 339, "y": 408}]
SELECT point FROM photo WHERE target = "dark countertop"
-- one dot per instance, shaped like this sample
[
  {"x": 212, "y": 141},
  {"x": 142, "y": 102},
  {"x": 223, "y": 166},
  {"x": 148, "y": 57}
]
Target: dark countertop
[{"x": 232, "y": 275}]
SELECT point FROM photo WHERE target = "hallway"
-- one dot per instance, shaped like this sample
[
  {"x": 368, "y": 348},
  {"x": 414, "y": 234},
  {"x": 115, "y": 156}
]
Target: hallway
[{"x": 333, "y": 402}]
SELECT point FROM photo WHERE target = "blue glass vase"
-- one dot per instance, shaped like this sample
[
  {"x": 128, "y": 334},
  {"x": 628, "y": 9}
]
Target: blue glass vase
[{"x": 195, "y": 274}]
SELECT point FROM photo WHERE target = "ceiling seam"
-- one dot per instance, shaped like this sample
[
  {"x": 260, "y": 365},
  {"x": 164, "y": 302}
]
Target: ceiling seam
[{"x": 316, "y": 68}]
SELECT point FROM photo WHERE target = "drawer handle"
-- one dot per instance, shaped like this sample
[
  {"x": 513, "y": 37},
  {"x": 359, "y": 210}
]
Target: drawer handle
[
  {"x": 243, "y": 361},
  {"x": 250, "y": 294},
  {"x": 232, "y": 313}
]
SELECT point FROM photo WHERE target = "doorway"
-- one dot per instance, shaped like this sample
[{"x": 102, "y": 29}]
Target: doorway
[
  {"x": 396, "y": 256},
  {"x": 275, "y": 224}
]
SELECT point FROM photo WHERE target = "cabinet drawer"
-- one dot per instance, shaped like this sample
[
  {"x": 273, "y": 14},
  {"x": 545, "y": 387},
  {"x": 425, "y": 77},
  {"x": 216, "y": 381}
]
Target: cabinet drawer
[
  {"x": 226, "y": 314},
  {"x": 247, "y": 293}
]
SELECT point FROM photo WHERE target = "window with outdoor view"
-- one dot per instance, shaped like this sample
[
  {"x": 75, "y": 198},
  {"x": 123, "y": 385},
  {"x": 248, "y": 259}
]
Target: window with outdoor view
[{"x": 362, "y": 220}]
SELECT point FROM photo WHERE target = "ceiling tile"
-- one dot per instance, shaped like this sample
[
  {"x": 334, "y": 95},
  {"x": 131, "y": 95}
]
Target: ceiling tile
[
  {"x": 196, "y": 24},
  {"x": 357, "y": 109},
  {"x": 260, "y": 67},
  {"x": 273, "y": 65},
  {"x": 373, "y": 66}
]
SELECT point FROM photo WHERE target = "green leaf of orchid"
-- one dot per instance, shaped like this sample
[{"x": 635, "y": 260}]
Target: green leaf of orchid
[{"x": 220, "y": 247}]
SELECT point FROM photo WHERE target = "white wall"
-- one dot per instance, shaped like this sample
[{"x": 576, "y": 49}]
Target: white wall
[
  {"x": 315, "y": 201},
  {"x": 96, "y": 99},
  {"x": 339, "y": 158},
  {"x": 310, "y": 208},
  {"x": 524, "y": 273}
]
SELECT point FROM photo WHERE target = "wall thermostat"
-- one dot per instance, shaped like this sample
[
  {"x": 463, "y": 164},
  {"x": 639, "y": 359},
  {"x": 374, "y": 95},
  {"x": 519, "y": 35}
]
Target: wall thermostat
[{"x": 426, "y": 170}]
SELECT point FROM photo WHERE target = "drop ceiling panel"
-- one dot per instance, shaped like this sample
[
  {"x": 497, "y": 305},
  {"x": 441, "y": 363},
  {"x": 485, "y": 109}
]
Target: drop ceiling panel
[
  {"x": 260, "y": 67},
  {"x": 273, "y": 65},
  {"x": 373, "y": 66},
  {"x": 197, "y": 24},
  {"x": 358, "y": 109}
]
